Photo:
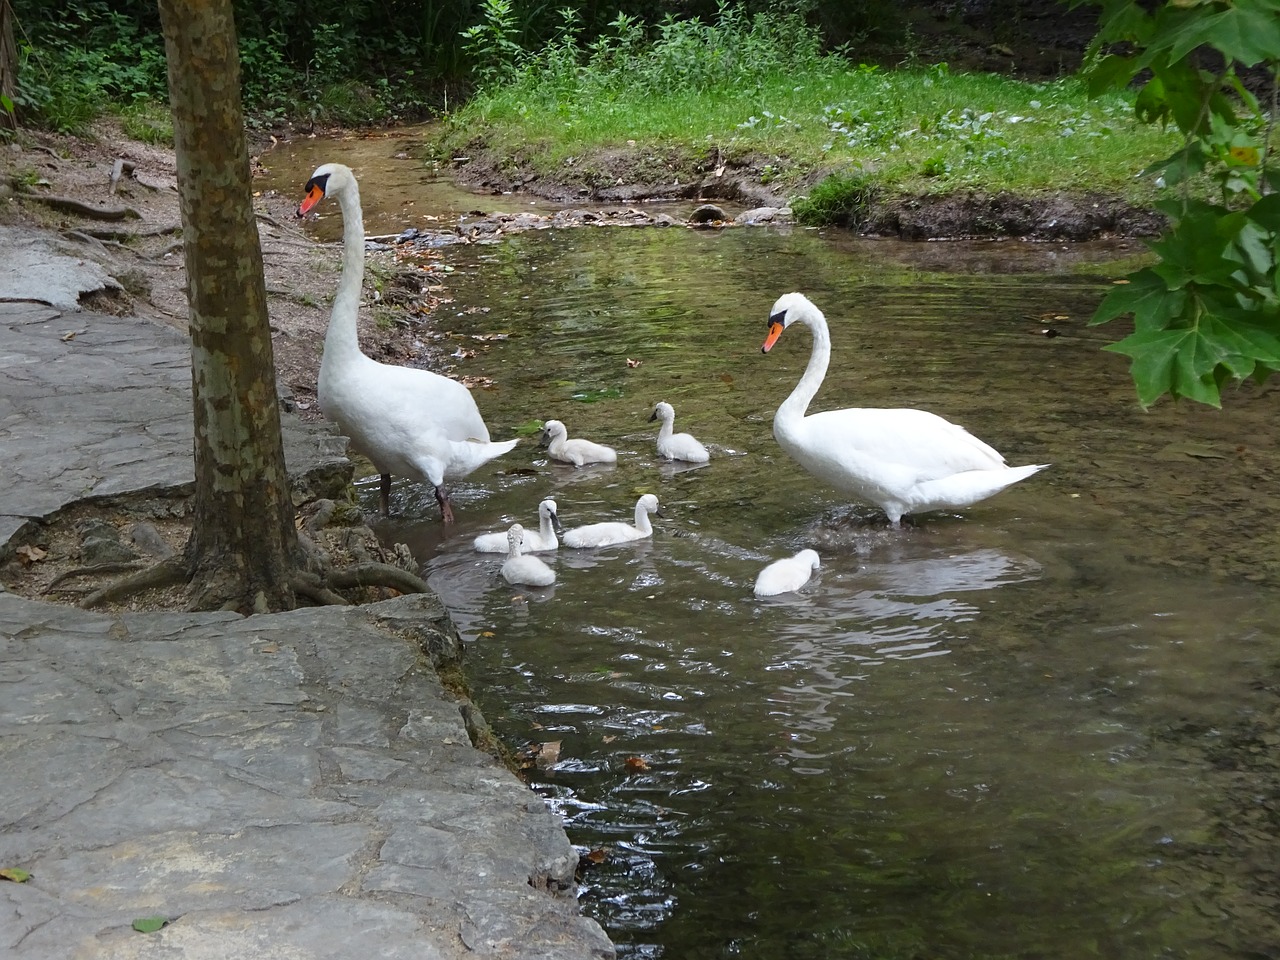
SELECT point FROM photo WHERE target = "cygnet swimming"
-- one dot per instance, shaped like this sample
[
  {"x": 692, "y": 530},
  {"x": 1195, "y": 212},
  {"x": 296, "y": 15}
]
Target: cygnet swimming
[
  {"x": 676, "y": 446},
  {"x": 544, "y": 538},
  {"x": 615, "y": 531},
  {"x": 788, "y": 575},
  {"x": 579, "y": 452},
  {"x": 524, "y": 570}
]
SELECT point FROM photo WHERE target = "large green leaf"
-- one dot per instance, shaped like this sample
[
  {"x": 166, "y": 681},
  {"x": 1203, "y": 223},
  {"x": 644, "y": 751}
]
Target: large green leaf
[
  {"x": 1147, "y": 297},
  {"x": 1163, "y": 362},
  {"x": 1244, "y": 31},
  {"x": 1267, "y": 212}
]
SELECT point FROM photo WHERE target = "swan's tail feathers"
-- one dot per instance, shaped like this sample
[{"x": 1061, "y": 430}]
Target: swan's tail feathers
[
  {"x": 467, "y": 455},
  {"x": 963, "y": 489}
]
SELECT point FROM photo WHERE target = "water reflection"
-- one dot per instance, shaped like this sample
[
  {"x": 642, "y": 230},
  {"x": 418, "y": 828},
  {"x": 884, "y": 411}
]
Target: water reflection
[{"x": 998, "y": 733}]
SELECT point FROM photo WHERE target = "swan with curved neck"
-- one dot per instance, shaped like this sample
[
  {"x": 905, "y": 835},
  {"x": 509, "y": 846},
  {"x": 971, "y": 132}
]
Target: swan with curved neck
[
  {"x": 676, "y": 446},
  {"x": 544, "y": 538},
  {"x": 615, "y": 531},
  {"x": 902, "y": 460},
  {"x": 407, "y": 421}
]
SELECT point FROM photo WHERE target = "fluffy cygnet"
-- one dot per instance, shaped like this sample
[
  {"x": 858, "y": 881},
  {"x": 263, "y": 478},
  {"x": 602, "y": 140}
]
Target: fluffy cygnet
[
  {"x": 788, "y": 575},
  {"x": 676, "y": 446}
]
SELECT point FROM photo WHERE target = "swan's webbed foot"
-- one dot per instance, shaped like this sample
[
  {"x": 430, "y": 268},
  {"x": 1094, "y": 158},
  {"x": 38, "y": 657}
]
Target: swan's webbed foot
[
  {"x": 384, "y": 489},
  {"x": 442, "y": 498}
]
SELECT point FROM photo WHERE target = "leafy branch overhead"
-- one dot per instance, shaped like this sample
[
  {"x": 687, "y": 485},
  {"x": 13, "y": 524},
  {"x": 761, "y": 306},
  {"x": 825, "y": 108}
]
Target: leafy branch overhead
[{"x": 1209, "y": 312}]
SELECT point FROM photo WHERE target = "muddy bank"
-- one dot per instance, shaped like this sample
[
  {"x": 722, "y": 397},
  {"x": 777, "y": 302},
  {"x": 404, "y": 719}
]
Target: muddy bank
[{"x": 634, "y": 176}]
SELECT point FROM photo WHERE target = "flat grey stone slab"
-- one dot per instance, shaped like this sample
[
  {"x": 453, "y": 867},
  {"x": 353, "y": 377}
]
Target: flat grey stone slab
[
  {"x": 93, "y": 405},
  {"x": 290, "y": 785},
  {"x": 31, "y": 269}
]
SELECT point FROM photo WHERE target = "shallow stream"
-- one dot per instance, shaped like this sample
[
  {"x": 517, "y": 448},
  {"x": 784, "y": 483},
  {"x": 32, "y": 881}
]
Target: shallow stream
[{"x": 1042, "y": 727}]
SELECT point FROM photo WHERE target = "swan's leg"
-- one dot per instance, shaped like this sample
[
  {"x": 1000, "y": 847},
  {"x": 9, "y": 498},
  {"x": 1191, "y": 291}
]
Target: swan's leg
[
  {"x": 385, "y": 490},
  {"x": 442, "y": 498}
]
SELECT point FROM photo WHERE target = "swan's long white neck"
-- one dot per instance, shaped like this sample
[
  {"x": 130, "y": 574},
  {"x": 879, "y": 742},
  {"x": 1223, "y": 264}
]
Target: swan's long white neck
[
  {"x": 342, "y": 339},
  {"x": 666, "y": 429},
  {"x": 642, "y": 520},
  {"x": 798, "y": 403}
]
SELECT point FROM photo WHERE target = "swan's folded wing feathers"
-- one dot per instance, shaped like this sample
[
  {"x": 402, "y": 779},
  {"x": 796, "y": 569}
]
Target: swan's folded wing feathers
[{"x": 922, "y": 443}]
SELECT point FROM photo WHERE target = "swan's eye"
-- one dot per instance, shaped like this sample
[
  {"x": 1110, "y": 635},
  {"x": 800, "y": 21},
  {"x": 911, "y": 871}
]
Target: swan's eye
[{"x": 777, "y": 318}]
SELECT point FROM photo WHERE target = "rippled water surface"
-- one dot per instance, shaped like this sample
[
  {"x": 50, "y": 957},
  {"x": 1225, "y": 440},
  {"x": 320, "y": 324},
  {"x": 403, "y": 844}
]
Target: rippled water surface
[{"x": 1037, "y": 728}]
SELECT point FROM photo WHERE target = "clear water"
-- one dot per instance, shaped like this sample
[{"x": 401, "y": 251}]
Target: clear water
[{"x": 1037, "y": 728}]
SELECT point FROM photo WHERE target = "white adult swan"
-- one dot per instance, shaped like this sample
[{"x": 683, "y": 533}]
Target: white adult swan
[
  {"x": 904, "y": 461},
  {"x": 676, "y": 446},
  {"x": 544, "y": 538},
  {"x": 615, "y": 531},
  {"x": 787, "y": 575},
  {"x": 524, "y": 570},
  {"x": 578, "y": 452},
  {"x": 406, "y": 421}
]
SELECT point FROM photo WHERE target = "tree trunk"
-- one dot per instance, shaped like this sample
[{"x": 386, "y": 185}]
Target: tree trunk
[
  {"x": 8, "y": 68},
  {"x": 243, "y": 547}
]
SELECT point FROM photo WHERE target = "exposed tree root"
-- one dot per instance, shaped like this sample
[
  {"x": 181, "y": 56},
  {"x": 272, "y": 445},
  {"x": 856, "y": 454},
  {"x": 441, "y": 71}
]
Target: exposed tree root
[
  {"x": 312, "y": 587},
  {"x": 166, "y": 573},
  {"x": 378, "y": 575},
  {"x": 72, "y": 205},
  {"x": 94, "y": 569},
  {"x": 305, "y": 584}
]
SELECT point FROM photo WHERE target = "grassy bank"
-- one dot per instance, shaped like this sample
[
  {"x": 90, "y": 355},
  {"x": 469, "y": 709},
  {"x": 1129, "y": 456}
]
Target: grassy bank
[{"x": 758, "y": 91}]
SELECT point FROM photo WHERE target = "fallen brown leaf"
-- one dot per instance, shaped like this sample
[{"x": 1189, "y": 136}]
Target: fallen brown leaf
[{"x": 28, "y": 554}]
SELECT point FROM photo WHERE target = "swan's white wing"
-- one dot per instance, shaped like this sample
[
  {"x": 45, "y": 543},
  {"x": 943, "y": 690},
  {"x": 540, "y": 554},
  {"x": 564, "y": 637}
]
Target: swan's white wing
[{"x": 913, "y": 443}]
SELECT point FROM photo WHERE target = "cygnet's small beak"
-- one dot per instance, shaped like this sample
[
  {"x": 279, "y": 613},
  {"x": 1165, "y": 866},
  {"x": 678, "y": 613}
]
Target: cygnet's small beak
[
  {"x": 653, "y": 416},
  {"x": 555, "y": 524}
]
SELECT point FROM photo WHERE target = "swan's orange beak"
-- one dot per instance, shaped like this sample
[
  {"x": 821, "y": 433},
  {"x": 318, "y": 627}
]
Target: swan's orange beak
[
  {"x": 775, "y": 331},
  {"x": 315, "y": 193}
]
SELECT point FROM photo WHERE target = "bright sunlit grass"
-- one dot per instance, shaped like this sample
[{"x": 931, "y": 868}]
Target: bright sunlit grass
[{"x": 908, "y": 131}]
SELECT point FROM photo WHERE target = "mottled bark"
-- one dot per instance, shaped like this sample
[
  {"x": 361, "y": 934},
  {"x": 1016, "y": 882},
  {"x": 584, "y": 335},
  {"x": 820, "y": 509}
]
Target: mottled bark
[
  {"x": 8, "y": 64},
  {"x": 243, "y": 547}
]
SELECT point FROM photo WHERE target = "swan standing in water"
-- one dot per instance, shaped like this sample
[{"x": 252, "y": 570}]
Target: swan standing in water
[
  {"x": 615, "y": 531},
  {"x": 576, "y": 451},
  {"x": 406, "y": 421},
  {"x": 543, "y": 539},
  {"x": 524, "y": 570},
  {"x": 902, "y": 460},
  {"x": 787, "y": 575},
  {"x": 676, "y": 446}
]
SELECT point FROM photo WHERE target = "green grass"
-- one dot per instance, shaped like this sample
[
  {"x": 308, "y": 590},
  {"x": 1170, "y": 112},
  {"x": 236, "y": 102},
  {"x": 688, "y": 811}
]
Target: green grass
[
  {"x": 759, "y": 89},
  {"x": 908, "y": 131},
  {"x": 148, "y": 121}
]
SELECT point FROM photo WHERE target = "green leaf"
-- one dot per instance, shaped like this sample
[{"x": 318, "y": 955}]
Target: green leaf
[
  {"x": 1183, "y": 165},
  {"x": 14, "y": 874},
  {"x": 1145, "y": 295},
  {"x": 1243, "y": 31},
  {"x": 150, "y": 924},
  {"x": 1257, "y": 249},
  {"x": 1112, "y": 72},
  {"x": 596, "y": 395},
  {"x": 1266, "y": 212},
  {"x": 1152, "y": 355}
]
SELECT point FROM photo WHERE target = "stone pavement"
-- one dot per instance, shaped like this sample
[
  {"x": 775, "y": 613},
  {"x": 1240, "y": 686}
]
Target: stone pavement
[{"x": 297, "y": 785}]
